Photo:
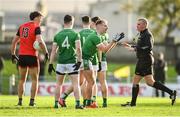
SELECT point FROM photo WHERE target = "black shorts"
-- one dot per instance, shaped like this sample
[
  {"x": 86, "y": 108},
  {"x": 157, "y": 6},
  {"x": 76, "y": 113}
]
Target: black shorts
[
  {"x": 28, "y": 61},
  {"x": 144, "y": 66}
]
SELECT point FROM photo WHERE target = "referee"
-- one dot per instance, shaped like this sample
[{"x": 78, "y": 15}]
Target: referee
[{"x": 144, "y": 65}]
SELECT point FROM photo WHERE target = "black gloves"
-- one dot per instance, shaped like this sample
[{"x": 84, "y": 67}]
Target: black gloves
[
  {"x": 50, "y": 68},
  {"x": 76, "y": 66},
  {"x": 14, "y": 58},
  {"x": 100, "y": 68},
  {"x": 118, "y": 37}
]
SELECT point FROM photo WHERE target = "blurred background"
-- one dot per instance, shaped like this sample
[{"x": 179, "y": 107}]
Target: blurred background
[{"x": 164, "y": 17}]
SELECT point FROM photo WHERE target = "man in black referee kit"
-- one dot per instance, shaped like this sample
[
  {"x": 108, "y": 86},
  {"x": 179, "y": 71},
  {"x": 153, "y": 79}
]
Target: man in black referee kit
[{"x": 144, "y": 65}]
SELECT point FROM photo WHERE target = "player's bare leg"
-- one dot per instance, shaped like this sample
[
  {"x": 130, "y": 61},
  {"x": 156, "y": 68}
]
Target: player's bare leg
[
  {"x": 94, "y": 91},
  {"x": 69, "y": 90},
  {"x": 34, "y": 73},
  {"x": 90, "y": 83},
  {"x": 76, "y": 89},
  {"x": 59, "y": 82},
  {"x": 104, "y": 87},
  {"x": 83, "y": 85},
  {"x": 23, "y": 75}
]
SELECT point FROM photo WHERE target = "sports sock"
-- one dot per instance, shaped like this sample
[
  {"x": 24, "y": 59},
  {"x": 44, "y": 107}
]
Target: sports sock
[
  {"x": 93, "y": 98},
  {"x": 20, "y": 100},
  {"x": 135, "y": 91},
  {"x": 104, "y": 100},
  {"x": 88, "y": 102},
  {"x": 31, "y": 101},
  {"x": 56, "y": 102},
  {"x": 77, "y": 103},
  {"x": 84, "y": 102},
  {"x": 162, "y": 87},
  {"x": 64, "y": 96}
]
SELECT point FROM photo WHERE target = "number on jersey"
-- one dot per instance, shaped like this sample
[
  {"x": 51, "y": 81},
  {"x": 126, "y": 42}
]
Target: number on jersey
[
  {"x": 25, "y": 32},
  {"x": 65, "y": 43}
]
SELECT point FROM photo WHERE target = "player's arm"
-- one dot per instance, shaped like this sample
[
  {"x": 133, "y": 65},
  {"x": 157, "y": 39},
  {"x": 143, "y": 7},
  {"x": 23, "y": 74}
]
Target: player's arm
[
  {"x": 78, "y": 50},
  {"x": 40, "y": 40},
  {"x": 111, "y": 47},
  {"x": 52, "y": 56},
  {"x": 15, "y": 40},
  {"x": 53, "y": 52},
  {"x": 105, "y": 48},
  {"x": 14, "y": 44}
]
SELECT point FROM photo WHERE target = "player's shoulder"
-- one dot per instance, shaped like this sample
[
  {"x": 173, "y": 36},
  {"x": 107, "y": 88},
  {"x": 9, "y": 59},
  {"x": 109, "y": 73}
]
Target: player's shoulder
[{"x": 29, "y": 24}]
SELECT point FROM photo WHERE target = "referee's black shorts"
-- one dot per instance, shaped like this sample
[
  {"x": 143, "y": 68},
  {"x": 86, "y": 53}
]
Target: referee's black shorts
[
  {"x": 28, "y": 61},
  {"x": 144, "y": 66}
]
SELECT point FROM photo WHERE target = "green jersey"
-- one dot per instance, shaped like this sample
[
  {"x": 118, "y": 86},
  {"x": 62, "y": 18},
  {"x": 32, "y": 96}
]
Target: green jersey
[
  {"x": 65, "y": 40},
  {"x": 84, "y": 33},
  {"x": 104, "y": 38},
  {"x": 90, "y": 46}
]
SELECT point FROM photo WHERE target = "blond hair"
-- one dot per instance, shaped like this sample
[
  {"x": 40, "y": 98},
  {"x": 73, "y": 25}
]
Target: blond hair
[{"x": 145, "y": 21}]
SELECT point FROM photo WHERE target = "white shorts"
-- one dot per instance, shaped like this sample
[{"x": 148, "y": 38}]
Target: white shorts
[
  {"x": 65, "y": 68},
  {"x": 95, "y": 67},
  {"x": 103, "y": 65},
  {"x": 86, "y": 65}
]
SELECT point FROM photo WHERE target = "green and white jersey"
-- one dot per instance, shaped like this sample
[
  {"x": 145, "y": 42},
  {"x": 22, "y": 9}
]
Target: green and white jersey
[
  {"x": 105, "y": 39},
  {"x": 90, "y": 46},
  {"x": 65, "y": 40},
  {"x": 95, "y": 59},
  {"x": 84, "y": 33}
]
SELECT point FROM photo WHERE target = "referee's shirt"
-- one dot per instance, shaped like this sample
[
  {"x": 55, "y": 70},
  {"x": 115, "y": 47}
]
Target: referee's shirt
[{"x": 144, "y": 44}]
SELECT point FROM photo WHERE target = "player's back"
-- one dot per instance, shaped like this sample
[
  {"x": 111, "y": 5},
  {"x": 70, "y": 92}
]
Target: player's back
[
  {"x": 90, "y": 46},
  {"x": 27, "y": 38},
  {"x": 84, "y": 33},
  {"x": 65, "y": 40}
]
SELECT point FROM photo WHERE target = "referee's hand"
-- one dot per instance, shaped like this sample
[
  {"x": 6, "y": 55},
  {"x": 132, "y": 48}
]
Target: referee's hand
[{"x": 14, "y": 59}]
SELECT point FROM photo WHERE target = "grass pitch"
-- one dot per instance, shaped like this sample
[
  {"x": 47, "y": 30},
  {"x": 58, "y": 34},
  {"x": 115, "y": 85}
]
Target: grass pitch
[{"x": 44, "y": 107}]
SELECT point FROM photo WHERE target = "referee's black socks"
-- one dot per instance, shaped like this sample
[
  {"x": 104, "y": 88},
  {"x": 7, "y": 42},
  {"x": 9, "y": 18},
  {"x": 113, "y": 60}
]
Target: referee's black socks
[
  {"x": 162, "y": 87},
  {"x": 135, "y": 91}
]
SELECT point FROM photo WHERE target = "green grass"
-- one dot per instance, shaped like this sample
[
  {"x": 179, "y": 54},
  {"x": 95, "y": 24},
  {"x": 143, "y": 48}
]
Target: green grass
[{"x": 145, "y": 107}]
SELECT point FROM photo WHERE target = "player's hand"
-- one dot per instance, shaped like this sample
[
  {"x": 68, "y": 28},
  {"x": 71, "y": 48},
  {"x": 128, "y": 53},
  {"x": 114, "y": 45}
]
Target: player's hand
[
  {"x": 118, "y": 37},
  {"x": 100, "y": 67},
  {"x": 14, "y": 58},
  {"x": 46, "y": 57},
  {"x": 76, "y": 66},
  {"x": 50, "y": 68}
]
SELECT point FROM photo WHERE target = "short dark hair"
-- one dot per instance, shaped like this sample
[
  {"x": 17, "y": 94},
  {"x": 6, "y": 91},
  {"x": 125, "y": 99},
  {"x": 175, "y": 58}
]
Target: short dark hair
[
  {"x": 34, "y": 14},
  {"x": 99, "y": 22},
  {"x": 95, "y": 19},
  {"x": 86, "y": 19},
  {"x": 67, "y": 18}
]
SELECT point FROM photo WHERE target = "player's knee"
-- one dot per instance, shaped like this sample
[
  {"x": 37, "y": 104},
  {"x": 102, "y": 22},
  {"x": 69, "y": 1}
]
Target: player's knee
[{"x": 92, "y": 82}]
